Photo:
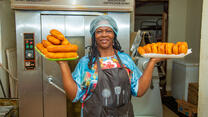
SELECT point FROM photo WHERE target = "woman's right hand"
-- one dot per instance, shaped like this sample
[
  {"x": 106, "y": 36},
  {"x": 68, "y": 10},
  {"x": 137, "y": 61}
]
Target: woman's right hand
[{"x": 62, "y": 62}]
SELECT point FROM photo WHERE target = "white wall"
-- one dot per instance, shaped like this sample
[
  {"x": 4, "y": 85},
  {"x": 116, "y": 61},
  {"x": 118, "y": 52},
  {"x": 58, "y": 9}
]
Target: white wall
[
  {"x": 184, "y": 25},
  {"x": 176, "y": 29},
  {"x": 7, "y": 39},
  {"x": 193, "y": 28},
  {"x": 203, "y": 69}
]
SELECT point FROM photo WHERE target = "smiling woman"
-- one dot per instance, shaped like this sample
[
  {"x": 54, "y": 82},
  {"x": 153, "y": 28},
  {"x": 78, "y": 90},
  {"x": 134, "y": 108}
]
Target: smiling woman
[
  {"x": 105, "y": 79},
  {"x": 104, "y": 38}
]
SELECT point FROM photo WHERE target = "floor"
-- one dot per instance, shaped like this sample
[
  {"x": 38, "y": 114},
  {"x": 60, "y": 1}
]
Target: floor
[{"x": 168, "y": 113}]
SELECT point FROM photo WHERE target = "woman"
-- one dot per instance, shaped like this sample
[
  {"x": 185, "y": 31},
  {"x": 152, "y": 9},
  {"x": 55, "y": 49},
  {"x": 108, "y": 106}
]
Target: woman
[{"x": 105, "y": 79}]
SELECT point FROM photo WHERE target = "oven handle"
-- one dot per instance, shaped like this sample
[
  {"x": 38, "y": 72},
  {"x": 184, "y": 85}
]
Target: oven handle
[{"x": 50, "y": 81}]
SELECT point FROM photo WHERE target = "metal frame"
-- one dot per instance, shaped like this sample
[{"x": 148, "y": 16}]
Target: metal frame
[{"x": 38, "y": 96}]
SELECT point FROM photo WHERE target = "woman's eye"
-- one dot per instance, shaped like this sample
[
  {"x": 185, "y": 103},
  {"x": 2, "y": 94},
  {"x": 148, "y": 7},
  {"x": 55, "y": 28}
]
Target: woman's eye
[
  {"x": 98, "y": 31},
  {"x": 109, "y": 31}
]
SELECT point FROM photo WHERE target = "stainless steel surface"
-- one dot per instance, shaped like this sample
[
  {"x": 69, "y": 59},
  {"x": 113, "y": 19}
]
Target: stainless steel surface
[
  {"x": 30, "y": 81},
  {"x": 74, "y": 25},
  {"x": 54, "y": 100},
  {"x": 87, "y": 21},
  {"x": 87, "y": 5},
  {"x": 123, "y": 21},
  {"x": 50, "y": 81},
  {"x": 35, "y": 88}
]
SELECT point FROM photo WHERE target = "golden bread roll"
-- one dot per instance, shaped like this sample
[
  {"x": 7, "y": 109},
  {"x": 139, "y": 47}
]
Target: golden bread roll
[
  {"x": 164, "y": 48},
  {"x": 161, "y": 48},
  {"x": 65, "y": 42},
  {"x": 154, "y": 47},
  {"x": 169, "y": 48},
  {"x": 53, "y": 40},
  {"x": 57, "y": 34},
  {"x": 148, "y": 48},
  {"x": 175, "y": 49},
  {"x": 183, "y": 43},
  {"x": 46, "y": 43},
  {"x": 182, "y": 49},
  {"x": 62, "y": 48},
  {"x": 141, "y": 50},
  {"x": 61, "y": 55},
  {"x": 41, "y": 48}
]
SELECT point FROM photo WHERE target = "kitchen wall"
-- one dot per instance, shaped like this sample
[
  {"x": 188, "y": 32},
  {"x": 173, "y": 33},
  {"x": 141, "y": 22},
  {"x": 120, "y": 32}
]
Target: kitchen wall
[{"x": 184, "y": 25}]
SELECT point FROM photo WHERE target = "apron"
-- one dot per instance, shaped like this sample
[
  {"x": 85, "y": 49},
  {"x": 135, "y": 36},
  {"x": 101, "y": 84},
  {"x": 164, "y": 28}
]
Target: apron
[{"x": 112, "y": 95}]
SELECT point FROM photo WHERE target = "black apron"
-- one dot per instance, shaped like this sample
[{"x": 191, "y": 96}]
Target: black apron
[{"x": 112, "y": 95}]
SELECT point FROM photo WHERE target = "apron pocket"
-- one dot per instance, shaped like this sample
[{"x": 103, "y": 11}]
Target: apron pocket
[{"x": 121, "y": 111}]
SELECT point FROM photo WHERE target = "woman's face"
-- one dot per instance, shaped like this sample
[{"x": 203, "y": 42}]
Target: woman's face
[{"x": 104, "y": 37}]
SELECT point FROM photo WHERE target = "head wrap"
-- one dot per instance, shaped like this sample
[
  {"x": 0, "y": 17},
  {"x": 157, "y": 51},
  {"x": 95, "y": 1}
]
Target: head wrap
[{"x": 103, "y": 20}]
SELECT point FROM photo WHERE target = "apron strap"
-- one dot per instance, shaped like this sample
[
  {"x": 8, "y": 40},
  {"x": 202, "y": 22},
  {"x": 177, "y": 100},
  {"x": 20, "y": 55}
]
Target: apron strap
[
  {"x": 98, "y": 64},
  {"x": 119, "y": 60}
]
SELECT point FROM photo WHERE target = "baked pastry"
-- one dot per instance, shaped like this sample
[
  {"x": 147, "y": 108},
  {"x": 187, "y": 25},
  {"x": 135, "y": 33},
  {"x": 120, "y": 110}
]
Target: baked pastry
[
  {"x": 161, "y": 48},
  {"x": 57, "y": 34},
  {"x": 182, "y": 47},
  {"x": 53, "y": 40},
  {"x": 164, "y": 48},
  {"x": 175, "y": 49},
  {"x": 141, "y": 50},
  {"x": 148, "y": 48},
  {"x": 41, "y": 48},
  {"x": 62, "y": 48},
  {"x": 65, "y": 42},
  {"x": 61, "y": 55},
  {"x": 46, "y": 43},
  {"x": 154, "y": 47},
  {"x": 169, "y": 48}
]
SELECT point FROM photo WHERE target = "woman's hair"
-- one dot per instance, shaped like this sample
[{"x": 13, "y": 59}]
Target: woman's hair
[{"x": 94, "y": 53}]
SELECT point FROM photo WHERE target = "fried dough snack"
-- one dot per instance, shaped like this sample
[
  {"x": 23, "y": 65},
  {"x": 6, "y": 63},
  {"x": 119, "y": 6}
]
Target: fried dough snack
[
  {"x": 65, "y": 42},
  {"x": 182, "y": 43},
  {"x": 169, "y": 48},
  {"x": 46, "y": 43},
  {"x": 57, "y": 46},
  {"x": 141, "y": 50},
  {"x": 57, "y": 34},
  {"x": 182, "y": 47},
  {"x": 175, "y": 49},
  {"x": 161, "y": 48},
  {"x": 164, "y": 48},
  {"x": 62, "y": 48},
  {"x": 41, "y": 48},
  {"x": 148, "y": 48},
  {"x": 53, "y": 40},
  {"x": 62, "y": 55},
  {"x": 154, "y": 47}
]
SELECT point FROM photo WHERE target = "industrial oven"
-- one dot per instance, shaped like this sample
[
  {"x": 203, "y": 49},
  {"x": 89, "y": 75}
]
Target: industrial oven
[{"x": 41, "y": 92}]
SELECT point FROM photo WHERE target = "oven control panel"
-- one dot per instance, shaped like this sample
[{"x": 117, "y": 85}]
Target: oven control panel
[{"x": 29, "y": 51}]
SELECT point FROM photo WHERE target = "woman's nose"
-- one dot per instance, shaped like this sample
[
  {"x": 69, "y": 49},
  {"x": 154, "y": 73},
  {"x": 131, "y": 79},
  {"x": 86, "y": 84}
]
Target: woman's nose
[{"x": 104, "y": 33}]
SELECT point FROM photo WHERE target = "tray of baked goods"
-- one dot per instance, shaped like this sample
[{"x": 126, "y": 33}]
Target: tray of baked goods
[
  {"x": 57, "y": 47},
  {"x": 165, "y": 50}
]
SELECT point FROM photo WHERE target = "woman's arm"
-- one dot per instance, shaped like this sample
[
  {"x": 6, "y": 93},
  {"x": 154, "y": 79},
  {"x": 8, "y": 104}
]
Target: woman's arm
[
  {"x": 69, "y": 84},
  {"x": 145, "y": 80}
]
